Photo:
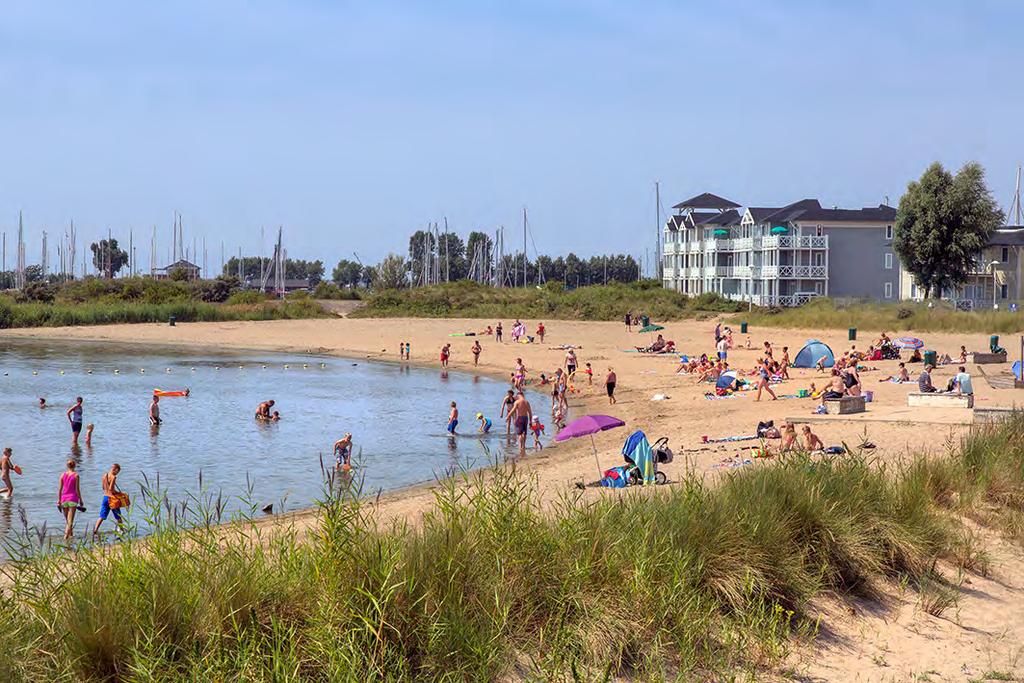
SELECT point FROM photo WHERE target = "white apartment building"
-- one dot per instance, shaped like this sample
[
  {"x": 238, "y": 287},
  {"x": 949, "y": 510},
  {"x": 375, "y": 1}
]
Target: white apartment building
[{"x": 780, "y": 256}]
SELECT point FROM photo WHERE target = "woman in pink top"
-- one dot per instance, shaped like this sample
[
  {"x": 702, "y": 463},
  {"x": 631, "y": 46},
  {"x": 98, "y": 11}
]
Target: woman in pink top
[{"x": 69, "y": 497}]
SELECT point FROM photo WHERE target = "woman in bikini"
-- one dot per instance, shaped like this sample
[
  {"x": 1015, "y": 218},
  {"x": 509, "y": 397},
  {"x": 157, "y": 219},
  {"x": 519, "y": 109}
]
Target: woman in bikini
[{"x": 69, "y": 498}]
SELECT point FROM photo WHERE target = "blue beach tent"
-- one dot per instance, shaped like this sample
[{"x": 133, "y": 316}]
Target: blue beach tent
[
  {"x": 812, "y": 352},
  {"x": 1016, "y": 369}
]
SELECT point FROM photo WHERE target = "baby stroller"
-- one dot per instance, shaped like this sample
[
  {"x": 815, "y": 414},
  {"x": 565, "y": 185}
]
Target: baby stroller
[
  {"x": 889, "y": 352},
  {"x": 634, "y": 452}
]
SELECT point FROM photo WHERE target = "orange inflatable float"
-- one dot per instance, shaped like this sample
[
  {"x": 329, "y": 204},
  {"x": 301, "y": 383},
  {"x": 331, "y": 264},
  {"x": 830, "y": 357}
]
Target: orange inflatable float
[{"x": 160, "y": 392}]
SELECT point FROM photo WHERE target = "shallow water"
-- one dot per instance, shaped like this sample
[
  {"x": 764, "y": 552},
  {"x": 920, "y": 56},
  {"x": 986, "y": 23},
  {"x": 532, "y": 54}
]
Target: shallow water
[{"x": 396, "y": 413}]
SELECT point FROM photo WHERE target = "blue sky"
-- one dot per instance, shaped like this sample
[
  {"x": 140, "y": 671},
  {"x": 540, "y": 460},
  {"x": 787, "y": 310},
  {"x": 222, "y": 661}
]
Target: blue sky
[{"x": 352, "y": 124}]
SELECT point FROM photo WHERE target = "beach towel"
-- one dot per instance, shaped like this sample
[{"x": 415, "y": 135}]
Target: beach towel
[
  {"x": 715, "y": 397},
  {"x": 729, "y": 439},
  {"x": 615, "y": 478}
]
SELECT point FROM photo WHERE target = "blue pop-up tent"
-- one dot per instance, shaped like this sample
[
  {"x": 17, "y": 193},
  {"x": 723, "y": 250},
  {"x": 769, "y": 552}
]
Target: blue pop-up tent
[{"x": 812, "y": 352}]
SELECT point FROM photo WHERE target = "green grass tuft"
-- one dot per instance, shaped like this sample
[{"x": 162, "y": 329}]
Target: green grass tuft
[
  {"x": 828, "y": 314},
  {"x": 688, "y": 581}
]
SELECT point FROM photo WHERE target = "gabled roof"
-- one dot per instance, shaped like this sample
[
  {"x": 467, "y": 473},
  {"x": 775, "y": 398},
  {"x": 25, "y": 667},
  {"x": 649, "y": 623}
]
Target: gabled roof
[
  {"x": 791, "y": 212},
  {"x": 676, "y": 222},
  {"x": 181, "y": 263},
  {"x": 707, "y": 201},
  {"x": 1010, "y": 236},
  {"x": 724, "y": 219},
  {"x": 759, "y": 213},
  {"x": 701, "y": 217}
]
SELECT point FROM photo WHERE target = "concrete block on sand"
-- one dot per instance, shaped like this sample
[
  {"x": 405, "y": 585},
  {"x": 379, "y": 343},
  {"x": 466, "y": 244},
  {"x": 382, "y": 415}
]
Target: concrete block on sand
[
  {"x": 979, "y": 358},
  {"x": 845, "y": 406},
  {"x": 940, "y": 400}
]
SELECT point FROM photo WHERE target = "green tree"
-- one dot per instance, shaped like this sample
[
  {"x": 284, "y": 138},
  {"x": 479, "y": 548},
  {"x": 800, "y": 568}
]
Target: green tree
[
  {"x": 942, "y": 225},
  {"x": 391, "y": 273},
  {"x": 108, "y": 258},
  {"x": 421, "y": 242},
  {"x": 480, "y": 252},
  {"x": 347, "y": 273}
]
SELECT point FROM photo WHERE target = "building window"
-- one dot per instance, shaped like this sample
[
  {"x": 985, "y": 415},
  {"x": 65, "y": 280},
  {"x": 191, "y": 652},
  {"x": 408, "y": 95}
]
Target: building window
[
  {"x": 819, "y": 288},
  {"x": 1005, "y": 255},
  {"x": 888, "y": 232},
  {"x": 888, "y": 290},
  {"x": 1003, "y": 291},
  {"x": 888, "y": 261},
  {"x": 819, "y": 258},
  {"x": 913, "y": 291},
  {"x": 818, "y": 231}
]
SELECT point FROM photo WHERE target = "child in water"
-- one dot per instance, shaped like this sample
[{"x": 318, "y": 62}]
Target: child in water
[
  {"x": 485, "y": 423},
  {"x": 537, "y": 428},
  {"x": 343, "y": 452},
  {"x": 453, "y": 419},
  {"x": 88, "y": 434},
  {"x": 6, "y": 465}
]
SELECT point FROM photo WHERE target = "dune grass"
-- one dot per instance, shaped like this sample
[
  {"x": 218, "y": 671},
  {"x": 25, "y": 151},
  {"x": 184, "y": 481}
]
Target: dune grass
[
  {"x": 467, "y": 299},
  {"x": 690, "y": 581},
  {"x": 58, "y": 314},
  {"x": 905, "y": 315}
]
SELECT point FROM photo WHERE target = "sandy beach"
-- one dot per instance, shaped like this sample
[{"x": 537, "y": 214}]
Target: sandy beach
[{"x": 897, "y": 644}]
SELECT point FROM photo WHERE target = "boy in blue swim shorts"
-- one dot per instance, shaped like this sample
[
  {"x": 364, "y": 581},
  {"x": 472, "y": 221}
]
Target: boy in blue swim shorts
[{"x": 453, "y": 419}]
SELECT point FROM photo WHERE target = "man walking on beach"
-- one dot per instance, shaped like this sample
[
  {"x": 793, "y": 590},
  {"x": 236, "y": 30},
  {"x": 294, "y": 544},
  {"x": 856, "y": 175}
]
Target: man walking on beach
[
  {"x": 75, "y": 418},
  {"x": 522, "y": 414}
]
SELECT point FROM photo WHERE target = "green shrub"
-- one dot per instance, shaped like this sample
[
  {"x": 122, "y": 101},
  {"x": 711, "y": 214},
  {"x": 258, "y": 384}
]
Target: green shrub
[
  {"x": 467, "y": 299},
  {"x": 247, "y": 296}
]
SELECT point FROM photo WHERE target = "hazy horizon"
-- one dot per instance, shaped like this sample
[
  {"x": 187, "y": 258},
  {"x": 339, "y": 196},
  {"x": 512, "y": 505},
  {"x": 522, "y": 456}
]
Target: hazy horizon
[{"x": 354, "y": 125}]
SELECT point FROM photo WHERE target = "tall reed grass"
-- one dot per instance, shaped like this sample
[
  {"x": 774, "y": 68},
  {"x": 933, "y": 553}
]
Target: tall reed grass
[
  {"x": 103, "y": 313},
  {"x": 466, "y": 299},
  {"x": 826, "y": 313},
  {"x": 685, "y": 582}
]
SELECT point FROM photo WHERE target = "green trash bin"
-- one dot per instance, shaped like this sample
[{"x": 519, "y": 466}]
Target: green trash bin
[
  {"x": 930, "y": 357},
  {"x": 852, "y": 334},
  {"x": 645, "y": 320},
  {"x": 743, "y": 328},
  {"x": 993, "y": 343},
  {"x": 172, "y": 321}
]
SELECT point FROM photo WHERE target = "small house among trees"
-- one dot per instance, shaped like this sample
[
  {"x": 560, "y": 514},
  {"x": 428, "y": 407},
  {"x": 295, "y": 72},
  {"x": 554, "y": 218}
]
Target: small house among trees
[{"x": 179, "y": 270}]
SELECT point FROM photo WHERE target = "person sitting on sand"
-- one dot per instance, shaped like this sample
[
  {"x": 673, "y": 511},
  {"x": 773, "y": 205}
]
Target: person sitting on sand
[
  {"x": 916, "y": 357},
  {"x": 343, "y": 452},
  {"x": 900, "y": 377},
  {"x": 924, "y": 382},
  {"x": 263, "y": 410},
  {"x": 963, "y": 384},
  {"x": 811, "y": 441},
  {"x": 883, "y": 339},
  {"x": 836, "y": 387},
  {"x": 485, "y": 424},
  {"x": 963, "y": 354},
  {"x": 788, "y": 436}
]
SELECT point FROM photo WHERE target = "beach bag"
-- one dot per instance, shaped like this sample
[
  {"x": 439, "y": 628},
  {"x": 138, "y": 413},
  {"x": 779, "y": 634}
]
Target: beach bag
[
  {"x": 615, "y": 478},
  {"x": 119, "y": 500}
]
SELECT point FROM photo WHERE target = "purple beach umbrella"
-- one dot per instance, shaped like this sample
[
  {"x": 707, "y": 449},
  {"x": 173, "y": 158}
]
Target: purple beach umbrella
[
  {"x": 588, "y": 425},
  {"x": 908, "y": 343}
]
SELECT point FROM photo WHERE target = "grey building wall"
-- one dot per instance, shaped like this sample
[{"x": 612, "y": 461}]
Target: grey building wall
[{"x": 856, "y": 263}]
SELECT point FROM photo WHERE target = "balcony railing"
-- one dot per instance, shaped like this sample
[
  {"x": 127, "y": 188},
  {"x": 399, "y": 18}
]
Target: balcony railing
[
  {"x": 795, "y": 242},
  {"x": 789, "y": 271}
]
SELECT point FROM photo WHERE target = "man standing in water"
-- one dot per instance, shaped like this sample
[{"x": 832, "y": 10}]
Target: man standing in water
[
  {"x": 522, "y": 414},
  {"x": 263, "y": 410},
  {"x": 75, "y": 418},
  {"x": 154, "y": 411},
  {"x": 343, "y": 452}
]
